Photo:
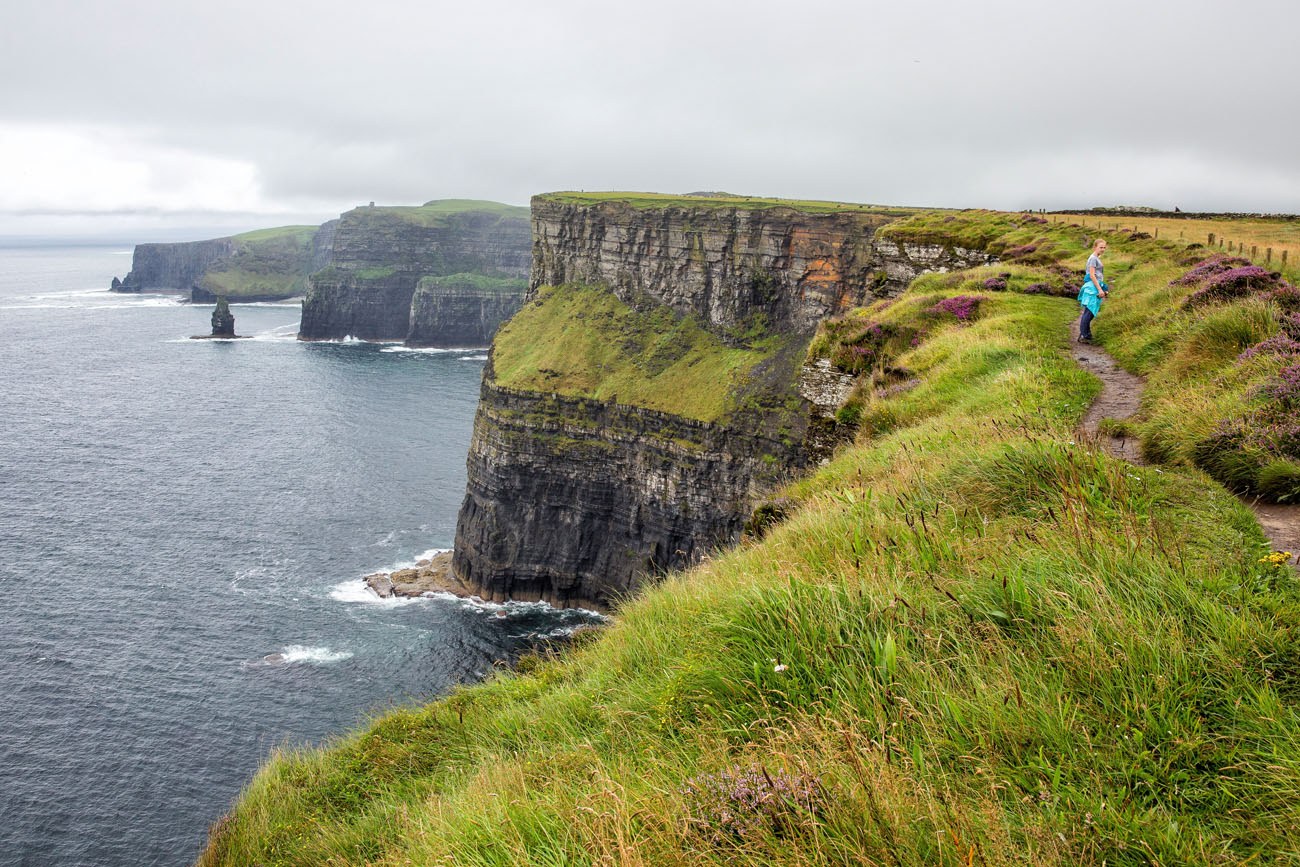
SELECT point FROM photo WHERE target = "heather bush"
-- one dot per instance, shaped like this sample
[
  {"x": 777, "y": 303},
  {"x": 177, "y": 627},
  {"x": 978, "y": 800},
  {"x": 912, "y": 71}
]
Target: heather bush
[
  {"x": 1280, "y": 344},
  {"x": 736, "y": 806},
  {"x": 1206, "y": 268},
  {"x": 1286, "y": 297},
  {"x": 1020, "y": 252},
  {"x": 1284, "y": 389},
  {"x": 963, "y": 307},
  {"x": 1236, "y": 283}
]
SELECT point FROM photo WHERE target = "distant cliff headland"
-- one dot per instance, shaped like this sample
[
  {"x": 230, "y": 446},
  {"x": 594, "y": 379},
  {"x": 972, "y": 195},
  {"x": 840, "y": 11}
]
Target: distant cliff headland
[{"x": 445, "y": 273}]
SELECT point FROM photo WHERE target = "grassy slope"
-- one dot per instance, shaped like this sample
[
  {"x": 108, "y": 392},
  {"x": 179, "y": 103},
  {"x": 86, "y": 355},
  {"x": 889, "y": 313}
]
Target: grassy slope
[
  {"x": 439, "y": 212},
  {"x": 1280, "y": 233},
  {"x": 584, "y": 342},
  {"x": 988, "y": 643},
  {"x": 266, "y": 262}
]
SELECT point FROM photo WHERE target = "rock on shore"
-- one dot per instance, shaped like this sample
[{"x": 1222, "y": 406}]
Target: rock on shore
[{"x": 432, "y": 575}]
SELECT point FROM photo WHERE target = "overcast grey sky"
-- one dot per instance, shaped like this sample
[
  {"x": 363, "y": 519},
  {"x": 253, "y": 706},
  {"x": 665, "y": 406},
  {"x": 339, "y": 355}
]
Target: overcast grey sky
[{"x": 135, "y": 117}]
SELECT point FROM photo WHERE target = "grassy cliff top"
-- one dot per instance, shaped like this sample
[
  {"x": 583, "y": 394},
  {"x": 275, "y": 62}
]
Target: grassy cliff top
[
  {"x": 976, "y": 640},
  {"x": 650, "y": 201},
  {"x": 439, "y": 212},
  {"x": 282, "y": 234},
  {"x": 585, "y": 342},
  {"x": 266, "y": 262},
  {"x": 479, "y": 282}
]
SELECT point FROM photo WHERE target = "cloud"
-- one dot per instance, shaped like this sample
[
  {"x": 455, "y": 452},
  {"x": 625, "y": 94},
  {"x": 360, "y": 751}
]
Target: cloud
[{"x": 313, "y": 107}]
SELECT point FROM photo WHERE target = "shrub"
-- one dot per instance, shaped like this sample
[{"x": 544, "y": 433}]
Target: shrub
[
  {"x": 964, "y": 307},
  {"x": 1020, "y": 252},
  {"x": 737, "y": 806},
  {"x": 1235, "y": 283},
  {"x": 1206, "y": 268},
  {"x": 1279, "y": 344},
  {"x": 1284, "y": 389}
]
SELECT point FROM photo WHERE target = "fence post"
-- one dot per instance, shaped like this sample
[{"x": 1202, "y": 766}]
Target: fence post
[
  {"x": 1211, "y": 239},
  {"x": 1254, "y": 250},
  {"x": 1268, "y": 255},
  {"x": 1284, "y": 258}
]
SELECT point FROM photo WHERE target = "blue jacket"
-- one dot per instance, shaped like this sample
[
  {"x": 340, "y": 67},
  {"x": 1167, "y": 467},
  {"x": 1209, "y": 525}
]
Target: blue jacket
[{"x": 1089, "y": 296}]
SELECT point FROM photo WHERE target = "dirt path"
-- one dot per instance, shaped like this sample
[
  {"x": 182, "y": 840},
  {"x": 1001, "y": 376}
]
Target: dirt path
[{"x": 1120, "y": 398}]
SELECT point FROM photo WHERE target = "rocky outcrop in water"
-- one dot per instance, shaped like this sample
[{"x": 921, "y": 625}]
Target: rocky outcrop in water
[
  {"x": 223, "y": 321},
  {"x": 380, "y": 255}
]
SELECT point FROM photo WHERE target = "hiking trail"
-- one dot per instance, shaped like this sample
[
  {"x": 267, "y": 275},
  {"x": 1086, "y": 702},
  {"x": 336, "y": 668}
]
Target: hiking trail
[{"x": 1121, "y": 397}]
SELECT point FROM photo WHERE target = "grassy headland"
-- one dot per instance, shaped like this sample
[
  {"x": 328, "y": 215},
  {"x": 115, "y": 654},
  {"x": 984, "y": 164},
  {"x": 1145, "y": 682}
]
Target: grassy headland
[
  {"x": 436, "y": 213},
  {"x": 266, "y": 263},
  {"x": 977, "y": 640},
  {"x": 584, "y": 342}
]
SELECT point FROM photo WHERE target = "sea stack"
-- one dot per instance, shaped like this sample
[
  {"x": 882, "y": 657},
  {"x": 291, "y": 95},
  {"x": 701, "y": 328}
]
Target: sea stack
[{"x": 223, "y": 321}]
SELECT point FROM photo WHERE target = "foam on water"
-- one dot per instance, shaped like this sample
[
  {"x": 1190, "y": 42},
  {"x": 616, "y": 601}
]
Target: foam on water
[
  {"x": 356, "y": 591},
  {"x": 433, "y": 350},
  {"x": 474, "y": 358},
  {"x": 301, "y": 653}
]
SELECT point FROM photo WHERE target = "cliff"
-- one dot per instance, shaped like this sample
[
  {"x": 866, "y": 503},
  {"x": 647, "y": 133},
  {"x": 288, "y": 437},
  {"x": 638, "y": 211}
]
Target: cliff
[
  {"x": 653, "y": 389},
  {"x": 173, "y": 267},
  {"x": 265, "y": 265},
  {"x": 462, "y": 310},
  {"x": 379, "y": 255}
]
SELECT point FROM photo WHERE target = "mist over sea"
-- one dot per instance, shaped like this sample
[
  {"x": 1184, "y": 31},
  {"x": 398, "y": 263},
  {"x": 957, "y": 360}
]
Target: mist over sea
[{"x": 183, "y": 529}]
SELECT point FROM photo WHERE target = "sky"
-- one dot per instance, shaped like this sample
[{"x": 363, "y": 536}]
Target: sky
[{"x": 161, "y": 120}]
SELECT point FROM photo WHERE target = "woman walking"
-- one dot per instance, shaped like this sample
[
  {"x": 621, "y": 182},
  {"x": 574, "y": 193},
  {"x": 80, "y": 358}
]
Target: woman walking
[{"x": 1094, "y": 289}]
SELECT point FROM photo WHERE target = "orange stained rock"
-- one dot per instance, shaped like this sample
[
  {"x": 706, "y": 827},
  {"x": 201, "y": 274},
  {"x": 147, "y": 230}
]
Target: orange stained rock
[{"x": 821, "y": 271}]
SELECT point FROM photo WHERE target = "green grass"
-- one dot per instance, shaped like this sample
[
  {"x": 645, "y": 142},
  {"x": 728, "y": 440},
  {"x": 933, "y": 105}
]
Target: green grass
[
  {"x": 436, "y": 213},
  {"x": 478, "y": 282},
  {"x": 266, "y": 262},
  {"x": 584, "y": 342},
  {"x": 989, "y": 643},
  {"x": 649, "y": 201}
]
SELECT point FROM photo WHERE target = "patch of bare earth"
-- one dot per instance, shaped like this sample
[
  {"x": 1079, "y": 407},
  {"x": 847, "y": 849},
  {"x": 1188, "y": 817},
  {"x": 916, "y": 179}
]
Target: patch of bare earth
[{"x": 1120, "y": 398}]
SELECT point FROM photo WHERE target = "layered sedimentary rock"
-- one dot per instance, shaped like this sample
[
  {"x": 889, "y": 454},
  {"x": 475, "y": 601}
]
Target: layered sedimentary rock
[
  {"x": 462, "y": 310},
  {"x": 173, "y": 267},
  {"x": 380, "y": 255},
  {"x": 574, "y": 495},
  {"x": 726, "y": 264},
  {"x": 574, "y": 501}
]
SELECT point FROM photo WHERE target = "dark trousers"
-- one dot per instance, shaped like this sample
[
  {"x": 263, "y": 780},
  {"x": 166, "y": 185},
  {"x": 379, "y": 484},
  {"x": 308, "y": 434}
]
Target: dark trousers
[{"x": 1085, "y": 324}]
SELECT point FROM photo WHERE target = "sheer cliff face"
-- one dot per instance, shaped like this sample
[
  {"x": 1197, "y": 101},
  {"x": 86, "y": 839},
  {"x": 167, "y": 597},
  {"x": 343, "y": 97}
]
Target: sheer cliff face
[
  {"x": 725, "y": 264},
  {"x": 463, "y": 310},
  {"x": 174, "y": 267},
  {"x": 575, "y": 501},
  {"x": 379, "y": 256}
]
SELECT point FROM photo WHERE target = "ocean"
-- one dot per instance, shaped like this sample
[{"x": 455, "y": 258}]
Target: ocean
[{"x": 184, "y": 525}]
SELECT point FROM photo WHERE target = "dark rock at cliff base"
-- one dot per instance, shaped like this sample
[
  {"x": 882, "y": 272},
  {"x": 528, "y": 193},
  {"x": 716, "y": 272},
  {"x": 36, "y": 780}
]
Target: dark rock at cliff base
[
  {"x": 428, "y": 576},
  {"x": 223, "y": 321}
]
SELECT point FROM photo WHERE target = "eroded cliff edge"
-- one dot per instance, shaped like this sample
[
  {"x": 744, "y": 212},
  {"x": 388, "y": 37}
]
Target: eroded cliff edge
[
  {"x": 650, "y": 393},
  {"x": 380, "y": 255}
]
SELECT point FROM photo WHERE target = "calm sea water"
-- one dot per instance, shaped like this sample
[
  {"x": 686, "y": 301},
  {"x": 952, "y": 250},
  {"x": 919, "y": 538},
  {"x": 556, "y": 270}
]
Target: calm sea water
[{"x": 175, "y": 512}]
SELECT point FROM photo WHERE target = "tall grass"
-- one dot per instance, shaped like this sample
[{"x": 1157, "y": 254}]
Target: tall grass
[{"x": 987, "y": 643}]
